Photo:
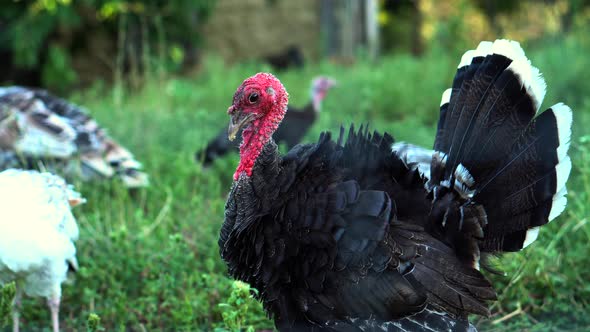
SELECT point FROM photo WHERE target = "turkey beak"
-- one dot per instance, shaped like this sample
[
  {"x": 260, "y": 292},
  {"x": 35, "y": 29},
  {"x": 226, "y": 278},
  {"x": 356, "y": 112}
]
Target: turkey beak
[{"x": 238, "y": 121}]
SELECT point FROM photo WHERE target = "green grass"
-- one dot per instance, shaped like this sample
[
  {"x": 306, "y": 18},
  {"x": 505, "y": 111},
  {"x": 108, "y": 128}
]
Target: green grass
[{"x": 149, "y": 259}]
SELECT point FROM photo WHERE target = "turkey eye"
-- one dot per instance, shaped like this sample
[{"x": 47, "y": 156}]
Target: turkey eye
[{"x": 253, "y": 98}]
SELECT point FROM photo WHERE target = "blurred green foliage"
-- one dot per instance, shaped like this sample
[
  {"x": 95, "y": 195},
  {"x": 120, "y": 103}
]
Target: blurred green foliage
[
  {"x": 93, "y": 323},
  {"x": 7, "y": 293},
  {"x": 47, "y": 33},
  {"x": 73, "y": 43},
  {"x": 27, "y": 25},
  {"x": 455, "y": 24},
  {"x": 149, "y": 259},
  {"x": 58, "y": 68},
  {"x": 236, "y": 312}
]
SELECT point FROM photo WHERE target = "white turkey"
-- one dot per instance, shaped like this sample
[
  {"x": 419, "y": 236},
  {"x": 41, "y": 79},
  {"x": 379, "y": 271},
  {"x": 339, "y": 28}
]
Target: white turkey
[
  {"x": 37, "y": 234},
  {"x": 41, "y": 131}
]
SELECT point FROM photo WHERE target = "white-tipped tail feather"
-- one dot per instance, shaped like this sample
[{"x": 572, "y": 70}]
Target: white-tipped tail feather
[
  {"x": 531, "y": 236},
  {"x": 466, "y": 58},
  {"x": 484, "y": 48},
  {"x": 559, "y": 203},
  {"x": 446, "y": 97},
  {"x": 562, "y": 172},
  {"x": 563, "y": 115},
  {"x": 530, "y": 77},
  {"x": 563, "y": 118},
  {"x": 494, "y": 141}
]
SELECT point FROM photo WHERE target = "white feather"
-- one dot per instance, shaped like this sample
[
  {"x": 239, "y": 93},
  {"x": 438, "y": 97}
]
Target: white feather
[
  {"x": 441, "y": 157},
  {"x": 132, "y": 164},
  {"x": 11, "y": 89},
  {"x": 446, "y": 97},
  {"x": 463, "y": 176},
  {"x": 466, "y": 59},
  {"x": 531, "y": 236},
  {"x": 463, "y": 179},
  {"x": 414, "y": 156},
  {"x": 37, "y": 231},
  {"x": 38, "y": 142},
  {"x": 411, "y": 153},
  {"x": 484, "y": 48},
  {"x": 538, "y": 87},
  {"x": 476, "y": 264},
  {"x": 558, "y": 205},
  {"x": 508, "y": 48},
  {"x": 529, "y": 76},
  {"x": 562, "y": 172},
  {"x": 563, "y": 116}
]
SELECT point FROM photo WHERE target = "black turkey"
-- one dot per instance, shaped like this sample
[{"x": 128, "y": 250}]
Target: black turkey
[
  {"x": 295, "y": 125},
  {"x": 343, "y": 235},
  {"x": 289, "y": 58}
]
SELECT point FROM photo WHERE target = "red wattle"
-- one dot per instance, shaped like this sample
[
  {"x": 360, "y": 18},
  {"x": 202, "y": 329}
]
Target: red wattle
[
  {"x": 255, "y": 138},
  {"x": 260, "y": 131}
]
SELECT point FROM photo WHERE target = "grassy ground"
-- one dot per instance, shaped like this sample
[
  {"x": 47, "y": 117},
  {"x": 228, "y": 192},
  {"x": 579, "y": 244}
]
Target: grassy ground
[{"x": 149, "y": 259}]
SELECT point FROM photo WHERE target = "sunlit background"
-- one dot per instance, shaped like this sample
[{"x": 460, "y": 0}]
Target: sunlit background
[{"x": 159, "y": 75}]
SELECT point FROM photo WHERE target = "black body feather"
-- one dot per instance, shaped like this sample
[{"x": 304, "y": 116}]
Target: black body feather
[
  {"x": 343, "y": 241},
  {"x": 346, "y": 236}
]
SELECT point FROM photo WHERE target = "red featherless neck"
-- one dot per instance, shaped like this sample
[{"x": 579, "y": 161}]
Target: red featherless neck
[{"x": 268, "y": 111}]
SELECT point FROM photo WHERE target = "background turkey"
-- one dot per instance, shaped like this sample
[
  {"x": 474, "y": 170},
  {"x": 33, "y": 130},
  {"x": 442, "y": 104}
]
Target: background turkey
[
  {"x": 39, "y": 130},
  {"x": 37, "y": 234},
  {"x": 290, "y": 57},
  {"x": 295, "y": 126},
  {"x": 345, "y": 236}
]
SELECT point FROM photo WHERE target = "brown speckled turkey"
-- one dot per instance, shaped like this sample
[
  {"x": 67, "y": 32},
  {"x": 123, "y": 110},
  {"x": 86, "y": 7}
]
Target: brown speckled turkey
[{"x": 41, "y": 131}]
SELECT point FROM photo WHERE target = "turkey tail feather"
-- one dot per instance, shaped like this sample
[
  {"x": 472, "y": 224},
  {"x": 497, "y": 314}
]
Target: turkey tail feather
[{"x": 489, "y": 132}]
